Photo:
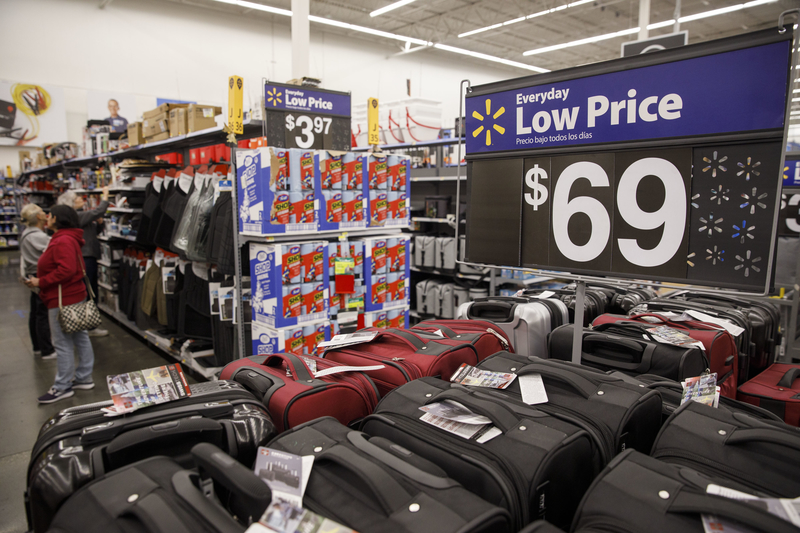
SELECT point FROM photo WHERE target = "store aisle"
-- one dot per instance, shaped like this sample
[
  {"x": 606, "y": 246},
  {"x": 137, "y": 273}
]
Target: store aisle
[{"x": 23, "y": 379}]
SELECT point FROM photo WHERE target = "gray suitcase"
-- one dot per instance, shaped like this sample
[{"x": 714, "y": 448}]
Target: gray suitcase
[
  {"x": 445, "y": 257},
  {"x": 460, "y": 296},
  {"x": 526, "y": 321},
  {"x": 427, "y": 296},
  {"x": 445, "y": 301},
  {"x": 425, "y": 251}
]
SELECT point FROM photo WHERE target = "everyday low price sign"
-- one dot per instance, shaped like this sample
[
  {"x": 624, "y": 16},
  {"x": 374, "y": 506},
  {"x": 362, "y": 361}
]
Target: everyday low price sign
[
  {"x": 298, "y": 117},
  {"x": 663, "y": 167}
]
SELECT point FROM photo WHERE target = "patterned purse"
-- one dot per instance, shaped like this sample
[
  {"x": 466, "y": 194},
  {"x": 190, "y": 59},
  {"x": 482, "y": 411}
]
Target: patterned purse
[{"x": 81, "y": 316}]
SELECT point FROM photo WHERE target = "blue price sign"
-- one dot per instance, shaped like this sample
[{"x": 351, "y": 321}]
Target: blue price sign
[{"x": 662, "y": 167}]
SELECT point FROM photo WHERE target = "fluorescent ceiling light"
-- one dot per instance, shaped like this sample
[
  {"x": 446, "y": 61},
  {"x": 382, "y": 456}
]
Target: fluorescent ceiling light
[
  {"x": 390, "y": 7},
  {"x": 489, "y": 58},
  {"x": 581, "y": 41},
  {"x": 689, "y": 18},
  {"x": 385, "y": 34},
  {"x": 520, "y": 19}
]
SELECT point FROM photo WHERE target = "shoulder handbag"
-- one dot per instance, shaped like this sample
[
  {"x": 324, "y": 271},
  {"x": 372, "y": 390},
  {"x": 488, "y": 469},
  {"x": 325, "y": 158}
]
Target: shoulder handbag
[{"x": 81, "y": 316}]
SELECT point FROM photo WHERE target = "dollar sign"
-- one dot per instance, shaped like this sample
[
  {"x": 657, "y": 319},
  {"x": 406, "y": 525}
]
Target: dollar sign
[
  {"x": 289, "y": 122},
  {"x": 539, "y": 195}
]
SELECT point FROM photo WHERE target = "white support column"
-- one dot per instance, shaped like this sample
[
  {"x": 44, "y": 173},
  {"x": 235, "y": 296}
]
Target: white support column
[
  {"x": 300, "y": 38},
  {"x": 677, "y": 15},
  {"x": 644, "y": 18}
]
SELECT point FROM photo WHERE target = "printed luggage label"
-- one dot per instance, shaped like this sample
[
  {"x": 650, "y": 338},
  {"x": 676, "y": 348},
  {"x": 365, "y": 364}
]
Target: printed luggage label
[
  {"x": 143, "y": 388},
  {"x": 469, "y": 375},
  {"x": 456, "y": 419}
]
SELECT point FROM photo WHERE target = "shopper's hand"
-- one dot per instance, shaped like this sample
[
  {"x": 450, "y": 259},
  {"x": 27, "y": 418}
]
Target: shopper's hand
[
  {"x": 105, "y": 193},
  {"x": 32, "y": 282}
]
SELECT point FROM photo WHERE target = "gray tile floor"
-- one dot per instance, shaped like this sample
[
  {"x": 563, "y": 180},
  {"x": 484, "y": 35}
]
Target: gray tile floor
[{"x": 23, "y": 379}]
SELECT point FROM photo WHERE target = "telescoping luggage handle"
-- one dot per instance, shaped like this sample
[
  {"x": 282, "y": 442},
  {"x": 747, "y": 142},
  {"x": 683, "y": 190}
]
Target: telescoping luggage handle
[
  {"x": 640, "y": 355},
  {"x": 788, "y": 378}
]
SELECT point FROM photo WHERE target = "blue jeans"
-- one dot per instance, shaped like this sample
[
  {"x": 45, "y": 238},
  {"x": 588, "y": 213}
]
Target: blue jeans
[{"x": 67, "y": 346}]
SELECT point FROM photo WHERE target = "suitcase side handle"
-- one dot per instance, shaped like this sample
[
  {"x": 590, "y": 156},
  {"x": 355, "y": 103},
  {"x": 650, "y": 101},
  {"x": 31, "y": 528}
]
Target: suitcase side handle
[
  {"x": 358, "y": 440},
  {"x": 251, "y": 492},
  {"x": 751, "y": 516},
  {"x": 788, "y": 378},
  {"x": 390, "y": 495},
  {"x": 768, "y": 435},
  {"x": 409, "y": 338},
  {"x": 640, "y": 356},
  {"x": 500, "y": 415},
  {"x": 298, "y": 367},
  {"x": 581, "y": 385}
]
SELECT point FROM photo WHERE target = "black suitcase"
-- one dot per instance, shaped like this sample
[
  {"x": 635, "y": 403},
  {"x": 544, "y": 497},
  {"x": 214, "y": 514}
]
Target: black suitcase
[
  {"x": 594, "y": 303},
  {"x": 639, "y": 494},
  {"x": 764, "y": 318},
  {"x": 157, "y": 495},
  {"x": 617, "y": 414},
  {"x": 373, "y": 485},
  {"x": 620, "y": 300},
  {"x": 539, "y": 467},
  {"x": 672, "y": 392},
  {"x": 541, "y": 526},
  {"x": 743, "y": 342},
  {"x": 80, "y": 444},
  {"x": 625, "y": 348},
  {"x": 761, "y": 454}
]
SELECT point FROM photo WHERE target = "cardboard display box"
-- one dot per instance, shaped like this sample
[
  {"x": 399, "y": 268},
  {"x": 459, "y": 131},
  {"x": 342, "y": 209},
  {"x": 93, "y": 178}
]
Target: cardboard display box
[
  {"x": 302, "y": 340},
  {"x": 163, "y": 109},
  {"x": 156, "y": 125},
  {"x": 201, "y": 117},
  {"x": 387, "y": 272},
  {"x": 135, "y": 134},
  {"x": 177, "y": 122},
  {"x": 160, "y": 137}
]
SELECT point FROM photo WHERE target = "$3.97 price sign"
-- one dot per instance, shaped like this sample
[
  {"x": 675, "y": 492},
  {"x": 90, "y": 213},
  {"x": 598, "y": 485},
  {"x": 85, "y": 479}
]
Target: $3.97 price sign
[{"x": 304, "y": 131}]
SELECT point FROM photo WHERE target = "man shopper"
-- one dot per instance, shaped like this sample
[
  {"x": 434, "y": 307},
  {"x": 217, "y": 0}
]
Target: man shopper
[
  {"x": 32, "y": 244},
  {"x": 60, "y": 270},
  {"x": 90, "y": 221}
]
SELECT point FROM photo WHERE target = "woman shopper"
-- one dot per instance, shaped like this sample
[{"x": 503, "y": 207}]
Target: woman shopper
[
  {"x": 91, "y": 248},
  {"x": 61, "y": 265},
  {"x": 32, "y": 243}
]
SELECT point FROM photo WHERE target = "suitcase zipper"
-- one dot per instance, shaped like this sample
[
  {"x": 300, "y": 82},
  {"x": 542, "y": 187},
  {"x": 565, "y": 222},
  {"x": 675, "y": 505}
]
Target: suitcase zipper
[
  {"x": 502, "y": 339},
  {"x": 511, "y": 483},
  {"x": 407, "y": 369}
]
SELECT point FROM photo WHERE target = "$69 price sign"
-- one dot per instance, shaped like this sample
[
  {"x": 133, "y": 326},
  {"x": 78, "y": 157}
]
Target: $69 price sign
[
  {"x": 311, "y": 131},
  {"x": 624, "y": 212}
]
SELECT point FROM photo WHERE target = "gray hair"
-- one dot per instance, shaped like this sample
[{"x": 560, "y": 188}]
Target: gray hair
[
  {"x": 29, "y": 215},
  {"x": 68, "y": 198}
]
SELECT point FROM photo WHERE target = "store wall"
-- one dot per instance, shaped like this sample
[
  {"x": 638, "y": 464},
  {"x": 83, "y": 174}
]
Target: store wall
[{"x": 157, "y": 48}]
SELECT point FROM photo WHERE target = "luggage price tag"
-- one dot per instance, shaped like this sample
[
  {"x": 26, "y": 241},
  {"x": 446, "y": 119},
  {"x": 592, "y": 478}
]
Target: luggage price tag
[
  {"x": 532, "y": 388},
  {"x": 702, "y": 389},
  {"x": 348, "y": 339},
  {"x": 469, "y": 375},
  {"x": 784, "y": 508},
  {"x": 668, "y": 335},
  {"x": 456, "y": 419},
  {"x": 732, "y": 328},
  {"x": 286, "y": 474},
  {"x": 338, "y": 369}
]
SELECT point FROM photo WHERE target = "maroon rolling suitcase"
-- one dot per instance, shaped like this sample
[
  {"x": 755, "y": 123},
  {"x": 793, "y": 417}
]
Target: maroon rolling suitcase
[
  {"x": 776, "y": 389},
  {"x": 290, "y": 389},
  {"x": 492, "y": 338},
  {"x": 407, "y": 355}
]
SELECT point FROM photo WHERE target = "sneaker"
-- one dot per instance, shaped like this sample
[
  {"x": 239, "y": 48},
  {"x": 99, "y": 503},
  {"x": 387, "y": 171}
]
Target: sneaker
[
  {"x": 97, "y": 332},
  {"x": 83, "y": 386},
  {"x": 37, "y": 352},
  {"x": 50, "y": 357},
  {"x": 54, "y": 395}
]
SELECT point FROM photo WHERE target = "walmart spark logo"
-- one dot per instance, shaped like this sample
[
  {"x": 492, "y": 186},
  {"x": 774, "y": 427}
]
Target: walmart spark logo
[
  {"x": 274, "y": 96},
  {"x": 499, "y": 129}
]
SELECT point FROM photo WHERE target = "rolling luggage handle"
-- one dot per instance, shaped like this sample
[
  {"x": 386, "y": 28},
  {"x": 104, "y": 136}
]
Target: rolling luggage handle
[
  {"x": 686, "y": 502},
  {"x": 250, "y": 491},
  {"x": 581, "y": 385},
  {"x": 496, "y": 309},
  {"x": 641, "y": 367},
  {"x": 788, "y": 378},
  {"x": 770, "y": 436},
  {"x": 625, "y": 327},
  {"x": 298, "y": 367},
  {"x": 501, "y": 416},
  {"x": 391, "y": 496},
  {"x": 358, "y": 440}
]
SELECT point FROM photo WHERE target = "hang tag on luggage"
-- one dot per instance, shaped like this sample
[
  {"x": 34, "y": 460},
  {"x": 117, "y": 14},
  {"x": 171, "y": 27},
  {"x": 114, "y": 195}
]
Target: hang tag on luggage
[
  {"x": 785, "y": 508},
  {"x": 338, "y": 369},
  {"x": 544, "y": 295},
  {"x": 532, "y": 388},
  {"x": 732, "y": 328},
  {"x": 348, "y": 339}
]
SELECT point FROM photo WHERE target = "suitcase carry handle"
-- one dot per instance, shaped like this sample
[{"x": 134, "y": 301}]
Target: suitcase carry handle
[
  {"x": 501, "y": 416},
  {"x": 118, "y": 452},
  {"x": 625, "y": 327},
  {"x": 251, "y": 492},
  {"x": 408, "y": 338},
  {"x": 686, "y": 502},
  {"x": 496, "y": 310},
  {"x": 358, "y": 440},
  {"x": 744, "y": 436},
  {"x": 644, "y": 354},
  {"x": 390, "y": 494},
  {"x": 581, "y": 385},
  {"x": 788, "y": 378},
  {"x": 298, "y": 367},
  {"x": 449, "y": 333}
]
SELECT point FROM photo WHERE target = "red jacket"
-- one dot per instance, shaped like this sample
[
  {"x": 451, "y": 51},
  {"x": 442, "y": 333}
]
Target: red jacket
[{"x": 62, "y": 264}]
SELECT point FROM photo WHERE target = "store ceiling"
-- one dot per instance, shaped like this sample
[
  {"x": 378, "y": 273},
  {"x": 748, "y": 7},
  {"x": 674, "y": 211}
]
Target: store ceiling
[{"x": 442, "y": 21}]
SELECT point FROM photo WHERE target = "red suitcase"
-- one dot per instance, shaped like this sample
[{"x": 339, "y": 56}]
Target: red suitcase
[
  {"x": 408, "y": 355},
  {"x": 720, "y": 346},
  {"x": 492, "y": 338},
  {"x": 293, "y": 395},
  {"x": 776, "y": 389}
]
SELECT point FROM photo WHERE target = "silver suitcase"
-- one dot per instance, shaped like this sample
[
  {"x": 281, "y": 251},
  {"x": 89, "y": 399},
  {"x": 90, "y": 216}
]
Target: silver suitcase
[
  {"x": 445, "y": 258},
  {"x": 460, "y": 296},
  {"x": 526, "y": 321},
  {"x": 427, "y": 296},
  {"x": 445, "y": 300},
  {"x": 425, "y": 251}
]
